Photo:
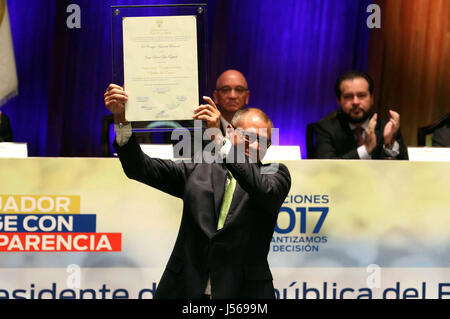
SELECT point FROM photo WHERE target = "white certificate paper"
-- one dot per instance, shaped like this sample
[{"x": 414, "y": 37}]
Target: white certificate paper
[{"x": 160, "y": 67}]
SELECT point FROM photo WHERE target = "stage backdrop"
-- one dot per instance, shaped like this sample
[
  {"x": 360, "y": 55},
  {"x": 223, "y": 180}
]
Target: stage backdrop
[
  {"x": 74, "y": 227},
  {"x": 291, "y": 52}
]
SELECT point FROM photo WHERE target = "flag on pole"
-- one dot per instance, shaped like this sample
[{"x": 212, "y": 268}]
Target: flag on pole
[{"x": 8, "y": 73}]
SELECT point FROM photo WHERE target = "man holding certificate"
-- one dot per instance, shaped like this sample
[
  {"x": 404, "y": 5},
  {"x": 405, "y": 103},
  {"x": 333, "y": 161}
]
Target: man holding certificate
[{"x": 230, "y": 206}]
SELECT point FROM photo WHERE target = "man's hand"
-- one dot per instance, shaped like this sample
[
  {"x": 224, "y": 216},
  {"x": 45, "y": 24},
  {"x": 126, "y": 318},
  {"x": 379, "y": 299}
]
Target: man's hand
[
  {"x": 371, "y": 139},
  {"x": 391, "y": 128},
  {"x": 209, "y": 113},
  {"x": 115, "y": 99}
]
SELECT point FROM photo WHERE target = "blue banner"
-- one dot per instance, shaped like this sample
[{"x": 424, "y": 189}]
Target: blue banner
[{"x": 54, "y": 223}]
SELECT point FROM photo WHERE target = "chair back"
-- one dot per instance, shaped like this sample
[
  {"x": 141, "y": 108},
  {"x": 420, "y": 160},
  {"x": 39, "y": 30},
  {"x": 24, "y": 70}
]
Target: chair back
[{"x": 424, "y": 133}]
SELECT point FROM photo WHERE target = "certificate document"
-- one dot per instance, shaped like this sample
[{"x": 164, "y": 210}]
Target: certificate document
[{"x": 160, "y": 67}]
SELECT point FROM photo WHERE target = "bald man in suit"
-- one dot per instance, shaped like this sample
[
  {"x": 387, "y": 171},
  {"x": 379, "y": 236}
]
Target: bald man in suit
[
  {"x": 230, "y": 205},
  {"x": 231, "y": 95}
]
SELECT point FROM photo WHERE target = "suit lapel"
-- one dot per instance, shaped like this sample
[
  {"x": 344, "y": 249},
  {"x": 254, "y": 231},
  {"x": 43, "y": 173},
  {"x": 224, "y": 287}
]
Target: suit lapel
[
  {"x": 237, "y": 199},
  {"x": 219, "y": 173},
  {"x": 347, "y": 138},
  {"x": 218, "y": 177}
]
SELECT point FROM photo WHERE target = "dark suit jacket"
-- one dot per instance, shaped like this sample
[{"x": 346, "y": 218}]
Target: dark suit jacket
[
  {"x": 335, "y": 140},
  {"x": 5, "y": 129},
  {"x": 441, "y": 137},
  {"x": 235, "y": 257}
]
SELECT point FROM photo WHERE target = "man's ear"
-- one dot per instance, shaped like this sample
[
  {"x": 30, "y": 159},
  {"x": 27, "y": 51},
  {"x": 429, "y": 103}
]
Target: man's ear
[
  {"x": 247, "y": 98},
  {"x": 215, "y": 96}
]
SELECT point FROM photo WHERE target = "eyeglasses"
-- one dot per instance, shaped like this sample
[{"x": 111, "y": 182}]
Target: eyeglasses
[
  {"x": 251, "y": 137},
  {"x": 227, "y": 90}
]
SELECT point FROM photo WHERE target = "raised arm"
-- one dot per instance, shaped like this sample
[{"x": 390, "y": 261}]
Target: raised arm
[
  {"x": 269, "y": 185},
  {"x": 165, "y": 175}
]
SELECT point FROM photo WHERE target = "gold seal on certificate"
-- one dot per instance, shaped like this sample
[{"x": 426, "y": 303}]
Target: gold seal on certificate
[{"x": 160, "y": 67}]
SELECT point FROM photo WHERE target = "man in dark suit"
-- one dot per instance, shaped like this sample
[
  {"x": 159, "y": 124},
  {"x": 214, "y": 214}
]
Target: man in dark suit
[
  {"x": 355, "y": 132},
  {"x": 230, "y": 206}
]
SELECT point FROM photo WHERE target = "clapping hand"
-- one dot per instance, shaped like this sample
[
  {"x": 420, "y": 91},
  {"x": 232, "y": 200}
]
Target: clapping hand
[{"x": 391, "y": 128}]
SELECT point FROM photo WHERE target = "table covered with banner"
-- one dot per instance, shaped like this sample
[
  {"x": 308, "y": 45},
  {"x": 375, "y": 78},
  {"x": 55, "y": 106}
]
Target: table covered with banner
[{"x": 78, "y": 228}]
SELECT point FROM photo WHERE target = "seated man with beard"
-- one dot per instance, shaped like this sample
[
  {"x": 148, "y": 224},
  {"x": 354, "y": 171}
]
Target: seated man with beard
[{"x": 355, "y": 132}]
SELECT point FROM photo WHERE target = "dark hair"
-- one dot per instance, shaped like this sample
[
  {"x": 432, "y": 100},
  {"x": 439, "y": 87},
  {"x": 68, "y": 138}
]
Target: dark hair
[{"x": 350, "y": 75}]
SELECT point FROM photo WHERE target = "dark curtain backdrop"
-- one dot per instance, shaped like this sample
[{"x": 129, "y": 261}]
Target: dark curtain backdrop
[
  {"x": 32, "y": 27},
  {"x": 290, "y": 50},
  {"x": 410, "y": 62}
]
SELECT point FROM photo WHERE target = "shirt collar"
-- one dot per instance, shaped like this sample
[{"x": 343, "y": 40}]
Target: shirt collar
[{"x": 224, "y": 122}]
